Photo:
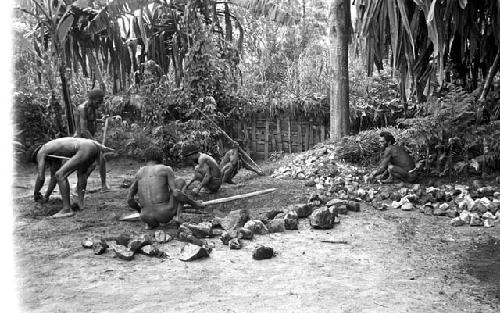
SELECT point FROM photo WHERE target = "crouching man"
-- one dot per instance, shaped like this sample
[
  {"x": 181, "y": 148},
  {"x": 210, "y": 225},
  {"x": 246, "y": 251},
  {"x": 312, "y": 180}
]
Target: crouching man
[
  {"x": 396, "y": 162},
  {"x": 207, "y": 172},
  {"x": 80, "y": 153},
  {"x": 160, "y": 193}
]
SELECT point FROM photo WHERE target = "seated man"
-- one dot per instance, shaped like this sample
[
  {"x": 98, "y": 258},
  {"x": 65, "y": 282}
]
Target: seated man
[
  {"x": 396, "y": 162},
  {"x": 206, "y": 171},
  {"x": 160, "y": 195},
  {"x": 81, "y": 154},
  {"x": 229, "y": 165},
  {"x": 86, "y": 126}
]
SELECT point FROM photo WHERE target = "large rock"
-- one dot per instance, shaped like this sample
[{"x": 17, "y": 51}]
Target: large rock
[
  {"x": 192, "y": 252},
  {"x": 302, "y": 210},
  {"x": 138, "y": 242},
  {"x": 322, "y": 218},
  {"x": 200, "y": 230},
  {"x": 257, "y": 227},
  {"x": 123, "y": 252},
  {"x": 276, "y": 225},
  {"x": 291, "y": 220},
  {"x": 235, "y": 244},
  {"x": 235, "y": 219},
  {"x": 245, "y": 233},
  {"x": 262, "y": 252}
]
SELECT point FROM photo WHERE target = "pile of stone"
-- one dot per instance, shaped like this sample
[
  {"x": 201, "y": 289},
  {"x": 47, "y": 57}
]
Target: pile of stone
[
  {"x": 125, "y": 246},
  {"x": 474, "y": 205}
]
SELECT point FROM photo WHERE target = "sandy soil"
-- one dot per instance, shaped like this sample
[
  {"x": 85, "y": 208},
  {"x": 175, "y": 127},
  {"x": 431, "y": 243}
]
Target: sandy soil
[{"x": 394, "y": 261}]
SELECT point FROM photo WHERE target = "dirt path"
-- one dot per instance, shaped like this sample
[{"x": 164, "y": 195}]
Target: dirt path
[{"x": 394, "y": 261}]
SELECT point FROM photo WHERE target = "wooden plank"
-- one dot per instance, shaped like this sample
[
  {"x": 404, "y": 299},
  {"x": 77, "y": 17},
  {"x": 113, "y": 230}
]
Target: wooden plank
[
  {"x": 299, "y": 134},
  {"x": 289, "y": 136},
  {"x": 266, "y": 140}
]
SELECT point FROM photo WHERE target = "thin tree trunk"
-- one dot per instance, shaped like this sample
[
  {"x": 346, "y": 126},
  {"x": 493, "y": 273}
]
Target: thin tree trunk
[
  {"x": 489, "y": 79},
  {"x": 339, "y": 86},
  {"x": 67, "y": 100}
]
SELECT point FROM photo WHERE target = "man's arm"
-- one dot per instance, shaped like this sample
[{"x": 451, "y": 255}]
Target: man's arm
[
  {"x": 386, "y": 159},
  {"x": 177, "y": 194},
  {"x": 40, "y": 178},
  {"x": 205, "y": 169},
  {"x": 131, "y": 194}
]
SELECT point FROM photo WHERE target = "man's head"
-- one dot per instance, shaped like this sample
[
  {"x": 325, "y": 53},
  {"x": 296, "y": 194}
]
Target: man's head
[
  {"x": 96, "y": 96},
  {"x": 190, "y": 152},
  {"x": 154, "y": 154},
  {"x": 386, "y": 139}
]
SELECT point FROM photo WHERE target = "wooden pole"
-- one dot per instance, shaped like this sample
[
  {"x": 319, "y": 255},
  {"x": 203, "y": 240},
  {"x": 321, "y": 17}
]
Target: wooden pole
[
  {"x": 289, "y": 135},
  {"x": 266, "y": 140}
]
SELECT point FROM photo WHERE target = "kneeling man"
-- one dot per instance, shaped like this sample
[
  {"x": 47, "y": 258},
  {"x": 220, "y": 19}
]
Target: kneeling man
[
  {"x": 80, "y": 153},
  {"x": 160, "y": 193},
  {"x": 206, "y": 171},
  {"x": 396, "y": 162}
]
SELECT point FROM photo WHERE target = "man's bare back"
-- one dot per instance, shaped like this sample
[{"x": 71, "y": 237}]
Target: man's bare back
[{"x": 207, "y": 172}]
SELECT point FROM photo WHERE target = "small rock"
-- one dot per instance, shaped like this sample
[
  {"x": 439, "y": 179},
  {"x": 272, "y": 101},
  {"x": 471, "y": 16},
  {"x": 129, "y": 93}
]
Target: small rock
[
  {"x": 310, "y": 183},
  {"x": 457, "y": 222},
  {"x": 291, "y": 220},
  {"x": 99, "y": 247},
  {"x": 138, "y": 242},
  {"x": 302, "y": 210},
  {"x": 497, "y": 216},
  {"x": 192, "y": 252},
  {"x": 488, "y": 215},
  {"x": 245, "y": 233},
  {"x": 150, "y": 250},
  {"x": 235, "y": 244},
  {"x": 408, "y": 207},
  {"x": 185, "y": 234},
  {"x": 200, "y": 230},
  {"x": 262, "y": 252},
  {"x": 494, "y": 206},
  {"x": 257, "y": 227},
  {"x": 428, "y": 209},
  {"x": 226, "y": 237},
  {"x": 353, "y": 206},
  {"x": 479, "y": 207},
  {"x": 322, "y": 218},
  {"x": 475, "y": 220},
  {"x": 216, "y": 222},
  {"x": 465, "y": 216},
  {"x": 486, "y": 191},
  {"x": 395, "y": 204},
  {"x": 123, "y": 252},
  {"x": 87, "y": 243},
  {"x": 161, "y": 236},
  {"x": 235, "y": 219},
  {"x": 496, "y": 194},
  {"x": 489, "y": 223},
  {"x": 452, "y": 212},
  {"x": 477, "y": 184},
  {"x": 272, "y": 214},
  {"x": 276, "y": 225}
]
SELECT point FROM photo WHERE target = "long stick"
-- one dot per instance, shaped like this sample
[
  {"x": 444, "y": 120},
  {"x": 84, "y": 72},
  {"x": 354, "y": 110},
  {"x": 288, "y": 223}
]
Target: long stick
[
  {"x": 240, "y": 150},
  {"x": 58, "y": 157},
  {"x": 135, "y": 216}
]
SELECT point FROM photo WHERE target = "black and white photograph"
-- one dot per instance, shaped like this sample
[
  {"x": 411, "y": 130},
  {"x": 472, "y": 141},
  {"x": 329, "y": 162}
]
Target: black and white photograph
[{"x": 251, "y": 156}]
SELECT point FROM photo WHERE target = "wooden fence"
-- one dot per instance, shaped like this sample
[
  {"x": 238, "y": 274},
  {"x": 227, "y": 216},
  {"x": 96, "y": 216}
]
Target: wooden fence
[{"x": 262, "y": 135}]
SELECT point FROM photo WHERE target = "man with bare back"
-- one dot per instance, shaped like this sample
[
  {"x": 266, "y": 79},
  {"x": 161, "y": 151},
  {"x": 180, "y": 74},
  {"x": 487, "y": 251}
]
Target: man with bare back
[
  {"x": 160, "y": 193},
  {"x": 229, "y": 165},
  {"x": 80, "y": 153},
  {"x": 207, "y": 172},
  {"x": 86, "y": 126}
]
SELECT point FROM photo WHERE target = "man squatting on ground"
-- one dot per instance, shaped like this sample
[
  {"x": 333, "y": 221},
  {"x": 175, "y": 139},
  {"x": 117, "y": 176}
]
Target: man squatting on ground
[
  {"x": 86, "y": 126},
  {"x": 229, "y": 165},
  {"x": 206, "y": 171},
  {"x": 396, "y": 162},
  {"x": 82, "y": 154},
  {"x": 160, "y": 193}
]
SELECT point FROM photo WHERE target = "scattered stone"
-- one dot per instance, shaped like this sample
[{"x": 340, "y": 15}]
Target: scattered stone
[
  {"x": 186, "y": 235},
  {"x": 226, "y": 237},
  {"x": 457, "y": 221},
  {"x": 162, "y": 237},
  {"x": 497, "y": 216},
  {"x": 452, "y": 212},
  {"x": 262, "y": 252},
  {"x": 291, "y": 220},
  {"x": 408, "y": 207},
  {"x": 479, "y": 207},
  {"x": 395, "y": 205},
  {"x": 200, "y": 230},
  {"x": 235, "y": 219},
  {"x": 310, "y": 183},
  {"x": 441, "y": 209},
  {"x": 138, "y": 242},
  {"x": 477, "y": 184},
  {"x": 123, "y": 252},
  {"x": 488, "y": 223},
  {"x": 216, "y": 222},
  {"x": 496, "y": 194},
  {"x": 257, "y": 227},
  {"x": 428, "y": 209},
  {"x": 475, "y": 220},
  {"x": 99, "y": 247},
  {"x": 276, "y": 225},
  {"x": 302, "y": 210},
  {"x": 245, "y": 233},
  {"x": 494, "y": 206},
  {"x": 87, "y": 243},
  {"x": 353, "y": 206},
  {"x": 322, "y": 218},
  {"x": 216, "y": 232},
  {"x": 192, "y": 252},
  {"x": 486, "y": 191},
  {"x": 272, "y": 214},
  {"x": 235, "y": 244},
  {"x": 150, "y": 250},
  {"x": 465, "y": 216}
]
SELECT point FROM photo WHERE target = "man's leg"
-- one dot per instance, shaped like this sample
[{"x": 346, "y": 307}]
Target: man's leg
[
  {"x": 396, "y": 172},
  {"x": 54, "y": 166},
  {"x": 102, "y": 173},
  {"x": 81, "y": 185}
]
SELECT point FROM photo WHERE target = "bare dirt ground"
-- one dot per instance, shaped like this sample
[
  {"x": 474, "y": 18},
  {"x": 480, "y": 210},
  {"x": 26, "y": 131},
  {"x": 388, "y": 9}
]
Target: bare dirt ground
[{"x": 394, "y": 261}]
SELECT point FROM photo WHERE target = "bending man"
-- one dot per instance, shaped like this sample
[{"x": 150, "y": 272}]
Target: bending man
[
  {"x": 86, "y": 126},
  {"x": 160, "y": 195},
  {"x": 229, "y": 165},
  {"x": 81, "y": 153},
  {"x": 206, "y": 171},
  {"x": 396, "y": 162}
]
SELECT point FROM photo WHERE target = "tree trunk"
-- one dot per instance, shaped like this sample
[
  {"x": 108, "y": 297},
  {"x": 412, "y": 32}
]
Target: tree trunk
[
  {"x": 339, "y": 86},
  {"x": 491, "y": 74},
  {"x": 67, "y": 99}
]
